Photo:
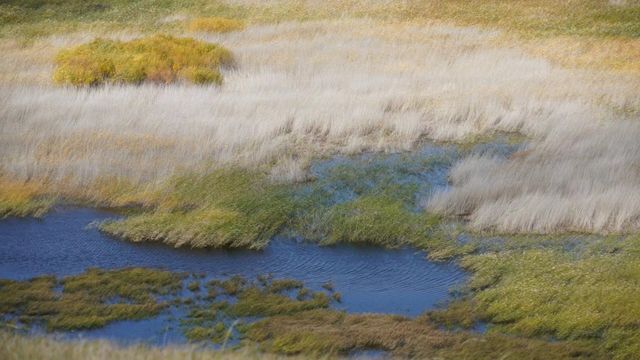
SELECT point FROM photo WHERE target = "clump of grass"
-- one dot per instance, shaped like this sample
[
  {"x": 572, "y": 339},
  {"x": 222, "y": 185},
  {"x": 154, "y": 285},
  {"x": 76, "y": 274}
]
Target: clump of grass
[
  {"x": 194, "y": 286},
  {"x": 279, "y": 285},
  {"x": 225, "y": 208},
  {"x": 89, "y": 300},
  {"x": 22, "y": 199},
  {"x": 215, "y": 25},
  {"x": 199, "y": 333},
  {"x": 256, "y": 302},
  {"x": 160, "y": 59}
]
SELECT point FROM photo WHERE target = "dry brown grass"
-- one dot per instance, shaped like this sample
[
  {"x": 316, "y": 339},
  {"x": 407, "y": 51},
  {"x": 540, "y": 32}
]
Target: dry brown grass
[{"x": 17, "y": 347}]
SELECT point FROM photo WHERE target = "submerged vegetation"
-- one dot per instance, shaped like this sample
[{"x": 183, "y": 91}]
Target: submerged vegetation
[{"x": 161, "y": 59}]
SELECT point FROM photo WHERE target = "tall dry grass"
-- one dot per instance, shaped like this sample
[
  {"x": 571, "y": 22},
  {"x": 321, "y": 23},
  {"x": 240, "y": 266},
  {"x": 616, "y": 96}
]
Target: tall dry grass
[
  {"x": 584, "y": 177},
  {"x": 300, "y": 91},
  {"x": 22, "y": 347}
]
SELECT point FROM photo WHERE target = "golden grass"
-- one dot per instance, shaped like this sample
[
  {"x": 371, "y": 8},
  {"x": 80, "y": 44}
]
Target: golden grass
[
  {"x": 160, "y": 59},
  {"x": 19, "y": 198},
  {"x": 215, "y": 25}
]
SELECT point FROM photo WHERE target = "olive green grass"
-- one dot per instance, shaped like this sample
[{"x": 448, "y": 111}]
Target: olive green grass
[
  {"x": 324, "y": 331},
  {"x": 89, "y": 300},
  {"x": 225, "y": 208},
  {"x": 588, "y": 295}
]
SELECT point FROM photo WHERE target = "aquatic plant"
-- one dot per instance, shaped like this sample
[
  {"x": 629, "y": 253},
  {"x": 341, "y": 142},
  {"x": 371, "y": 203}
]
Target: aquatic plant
[
  {"x": 215, "y": 25},
  {"x": 333, "y": 332},
  {"x": 92, "y": 299},
  {"x": 160, "y": 58}
]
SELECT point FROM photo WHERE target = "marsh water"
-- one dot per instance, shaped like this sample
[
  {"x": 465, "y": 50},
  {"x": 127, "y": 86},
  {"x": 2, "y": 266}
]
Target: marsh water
[{"x": 371, "y": 279}]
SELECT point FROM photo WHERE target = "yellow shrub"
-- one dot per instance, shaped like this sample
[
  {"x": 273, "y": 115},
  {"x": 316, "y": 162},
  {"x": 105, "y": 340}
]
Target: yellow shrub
[
  {"x": 215, "y": 24},
  {"x": 159, "y": 58}
]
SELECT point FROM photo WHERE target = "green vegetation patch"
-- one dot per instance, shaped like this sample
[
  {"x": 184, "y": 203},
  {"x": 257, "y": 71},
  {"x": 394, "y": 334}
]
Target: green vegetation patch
[
  {"x": 160, "y": 59},
  {"x": 322, "y": 332},
  {"x": 535, "y": 17},
  {"x": 225, "y": 208},
  {"x": 567, "y": 295},
  {"x": 92, "y": 299},
  {"x": 237, "y": 299},
  {"x": 22, "y": 199},
  {"x": 376, "y": 200}
]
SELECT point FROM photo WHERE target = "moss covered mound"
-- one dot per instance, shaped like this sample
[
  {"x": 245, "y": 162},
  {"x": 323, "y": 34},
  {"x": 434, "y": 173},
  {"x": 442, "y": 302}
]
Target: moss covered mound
[{"x": 160, "y": 59}]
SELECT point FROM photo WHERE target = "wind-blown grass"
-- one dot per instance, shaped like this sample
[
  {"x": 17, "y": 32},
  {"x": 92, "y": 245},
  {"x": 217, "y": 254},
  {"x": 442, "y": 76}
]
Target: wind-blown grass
[
  {"x": 19, "y": 347},
  {"x": 161, "y": 59},
  {"x": 225, "y": 208},
  {"x": 573, "y": 180},
  {"x": 22, "y": 199}
]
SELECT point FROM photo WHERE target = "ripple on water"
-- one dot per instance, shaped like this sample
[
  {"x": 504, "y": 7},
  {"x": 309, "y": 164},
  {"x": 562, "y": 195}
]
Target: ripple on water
[{"x": 371, "y": 279}]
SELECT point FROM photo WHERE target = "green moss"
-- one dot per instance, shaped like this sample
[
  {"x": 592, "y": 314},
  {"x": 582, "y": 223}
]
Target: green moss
[
  {"x": 160, "y": 58},
  {"x": 225, "y": 208}
]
